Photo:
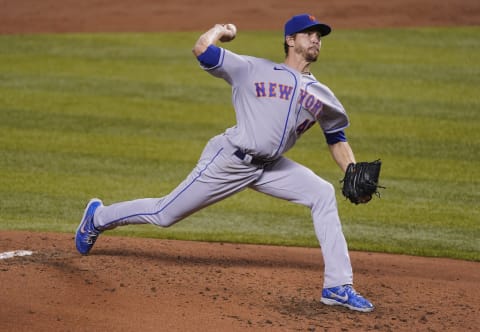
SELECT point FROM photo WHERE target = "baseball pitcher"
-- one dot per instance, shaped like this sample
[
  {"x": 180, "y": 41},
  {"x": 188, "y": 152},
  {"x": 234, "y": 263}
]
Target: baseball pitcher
[{"x": 275, "y": 103}]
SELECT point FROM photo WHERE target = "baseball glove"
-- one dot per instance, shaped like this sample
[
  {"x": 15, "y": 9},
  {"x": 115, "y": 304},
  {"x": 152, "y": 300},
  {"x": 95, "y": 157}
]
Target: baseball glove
[{"x": 361, "y": 181}]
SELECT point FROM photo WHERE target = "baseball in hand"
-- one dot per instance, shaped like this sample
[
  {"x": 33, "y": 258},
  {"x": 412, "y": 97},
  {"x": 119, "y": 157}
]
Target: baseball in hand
[
  {"x": 232, "y": 28},
  {"x": 231, "y": 32}
]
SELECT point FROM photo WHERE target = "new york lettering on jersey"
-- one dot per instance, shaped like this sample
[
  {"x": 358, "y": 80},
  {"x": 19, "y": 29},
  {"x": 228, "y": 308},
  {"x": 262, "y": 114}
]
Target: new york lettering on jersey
[
  {"x": 282, "y": 91},
  {"x": 271, "y": 89},
  {"x": 310, "y": 103}
]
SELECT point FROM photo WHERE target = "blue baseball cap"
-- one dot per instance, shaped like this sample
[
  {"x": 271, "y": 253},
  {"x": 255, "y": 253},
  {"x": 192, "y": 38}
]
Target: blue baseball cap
[{"x": 305, "y": 21}]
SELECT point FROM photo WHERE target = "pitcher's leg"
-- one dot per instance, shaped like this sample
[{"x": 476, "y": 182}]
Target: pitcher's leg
[
  {"x": 328, "y": 229},
  {"x": 216, "y": 176},
  {"x": 291, "y": 181}
]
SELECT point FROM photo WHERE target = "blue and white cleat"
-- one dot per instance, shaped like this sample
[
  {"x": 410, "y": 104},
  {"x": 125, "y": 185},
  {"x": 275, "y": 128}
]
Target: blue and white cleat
[
  {"x": 346, "y": 296},
  {"x": 87, "y": 234}
]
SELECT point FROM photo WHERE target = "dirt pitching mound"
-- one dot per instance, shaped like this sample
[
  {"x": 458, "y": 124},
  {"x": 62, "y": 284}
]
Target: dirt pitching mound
[{"x": 130, "y": 284}]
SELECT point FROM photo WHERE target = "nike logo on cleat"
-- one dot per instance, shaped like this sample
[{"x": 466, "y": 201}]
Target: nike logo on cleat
[
  {"x": 343, "y": 298},
  {"x": 82, "y": 228}
]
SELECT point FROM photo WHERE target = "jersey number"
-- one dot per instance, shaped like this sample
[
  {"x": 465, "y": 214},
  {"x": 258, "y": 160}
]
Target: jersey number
[{"x": 304, "y": 126}]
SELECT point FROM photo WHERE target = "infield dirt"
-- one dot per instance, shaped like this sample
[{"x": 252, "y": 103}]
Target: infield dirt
[{"x": 131, "y": 284}]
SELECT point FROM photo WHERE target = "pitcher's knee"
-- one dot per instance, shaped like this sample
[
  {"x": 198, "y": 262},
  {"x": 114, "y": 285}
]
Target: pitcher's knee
[
  {"x": 162, "y": 222},
  {"x": 325, "y": 194},
  {"x": 165, "y": 219},
  {"x": 329, "y": 189}
]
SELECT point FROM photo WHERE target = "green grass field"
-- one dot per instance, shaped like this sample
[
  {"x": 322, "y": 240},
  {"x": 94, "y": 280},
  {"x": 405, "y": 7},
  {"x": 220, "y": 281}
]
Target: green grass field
[{"x": 124, "y": 116}]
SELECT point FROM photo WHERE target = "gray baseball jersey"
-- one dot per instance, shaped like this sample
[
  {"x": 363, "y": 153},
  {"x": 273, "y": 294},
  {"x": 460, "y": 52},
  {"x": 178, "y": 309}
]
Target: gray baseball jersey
[{"x": 274, "y": 106}]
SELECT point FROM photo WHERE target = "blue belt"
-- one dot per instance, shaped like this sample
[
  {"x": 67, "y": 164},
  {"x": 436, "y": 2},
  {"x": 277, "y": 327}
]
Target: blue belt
[{"x": 254, "y": 160}]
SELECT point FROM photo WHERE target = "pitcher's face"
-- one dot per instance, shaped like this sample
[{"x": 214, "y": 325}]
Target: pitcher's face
[{"x": 308, "y": 44}]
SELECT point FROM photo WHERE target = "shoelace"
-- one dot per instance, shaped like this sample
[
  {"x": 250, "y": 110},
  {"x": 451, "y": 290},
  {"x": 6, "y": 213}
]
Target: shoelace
[
  {"x": 92, "y": 237},
  {"x": 354, "y": 294}
]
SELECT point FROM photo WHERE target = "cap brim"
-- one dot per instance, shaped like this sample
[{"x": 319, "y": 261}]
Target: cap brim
[{"x": 322, "y": 28}]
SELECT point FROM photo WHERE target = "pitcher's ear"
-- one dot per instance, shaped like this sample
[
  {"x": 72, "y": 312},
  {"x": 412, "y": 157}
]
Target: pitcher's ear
[{"x": 290, "y": 40}]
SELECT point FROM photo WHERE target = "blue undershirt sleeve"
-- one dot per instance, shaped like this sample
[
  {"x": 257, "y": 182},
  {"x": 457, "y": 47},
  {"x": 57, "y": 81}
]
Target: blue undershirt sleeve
[
  {"x": 210, "y": 57},
  {"x": 336, "y": 137}
]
